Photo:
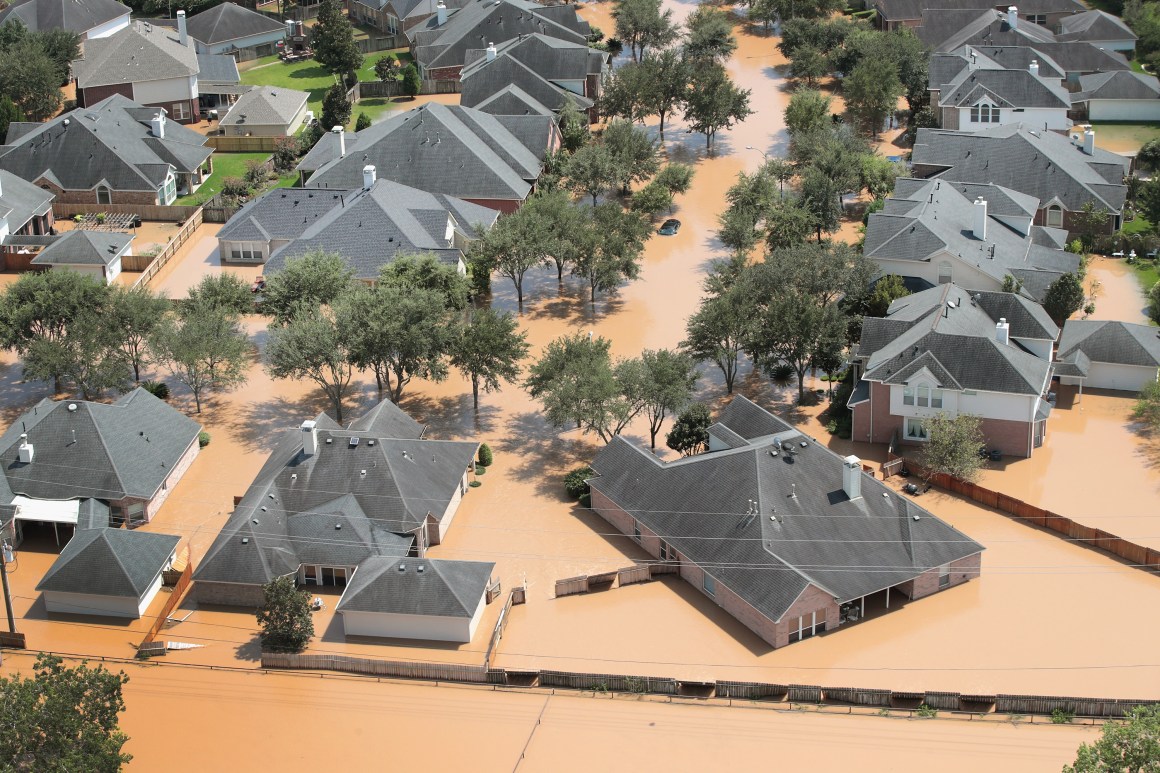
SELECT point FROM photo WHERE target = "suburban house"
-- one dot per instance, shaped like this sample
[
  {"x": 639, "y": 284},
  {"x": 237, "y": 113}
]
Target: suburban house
[
  {"x": 489, "y": 160},
  {"x": 395, "y": 17},
  {"x": 1055, "y": 61},
  {"x": 151, "y": 65},
  {"x": 95, "y": 253},
  {"x": 1118, "y": 96},
  {"x": 1099, "y": 28},
  {"x": 892, "y": 14},
  {"x": 1062, "y": 173},
  {"x": 232, "y": 29},
  {"x": 369, "y": 227},
  {"x": 115, "y": 152},
  {"x": 945, "y": 30},
  {"x": 328, "y": 499},
  {"x": 88, "y": 18},
  {"x": 949, "y": 350},
  {"x": 441, "y": 45},
  {"x": 1078, "y": 58},
  {"x": 933, "y": 232},
  {"x": 128, "y": 455},
  {"x": 780, "y": 532},
  {"x": 218, "y": 83},
  {"x": 108, "y": 572},
  {"x": 266, "y": 111},
  {"x": 983, "y": 96},
  {"x": 25, "y": 210},
  {"x": 548, "y": 71},
  {"x": 407, "y": 598},
  {"x": 1108, "y": 355}
]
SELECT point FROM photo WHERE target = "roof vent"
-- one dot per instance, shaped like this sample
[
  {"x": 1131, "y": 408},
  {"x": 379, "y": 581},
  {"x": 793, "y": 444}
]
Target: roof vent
[
  {"x": 917, "y": 517},
  {"x": 329, "y": 441},
  {"x": 245, "y": 540},
  {"x": 402, "y": 568},
  {"x": 420, "y": 568},
  {"x": 362, "y": 473},
  {"x": 262, "y": 508},
  {"x": 353, "y": 442},
  {"x": 255, "y": 521},
  {"x": 371, "y": 442},
  {"x": 72, "y": 407},
  {"x": 338, "y": 527},
  {"x": 293, "y": 477}
]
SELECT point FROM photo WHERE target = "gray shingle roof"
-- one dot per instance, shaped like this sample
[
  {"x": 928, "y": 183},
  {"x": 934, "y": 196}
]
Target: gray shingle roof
[
  {"x": 109, "y": 562},
  {"x": 958, "y": 345},
  {"x": 20, "y": 201},
  {"x": 396, "y": 586},
  {"x": 266, "y": 106},
  {"x": 228, "y": 22},
  {"x": 109, "y": 143},
  {"x": 482, "y": 81},
  {"x": 946, "y": 67},
  {"x": 105, "y": 451},
  {"x": 1078, "y": 57},
  {"x": 78, "y": 16},
  {"x": 512, "y": 100},
  {"x": 140, "y": 52},
  {"x": 1076, "y": 364},
  {"x": 299, "y": 502},
  {"x": 452, "y": 150},
  {"x": 899, "y": 10},
  {"x": 1119, "y": 343},
  {"x": 388, "y": 420},
  {"x": 1121, "y": 84},
  {"x": 1005, "y": 88},
  {"x": 217, "y": 70},
  {"x": 84, "y": 248},
  {"x": 1045, "y": 165},
  {"x": 848, "y": 548},
  {"x": 1094, "y": 26}
]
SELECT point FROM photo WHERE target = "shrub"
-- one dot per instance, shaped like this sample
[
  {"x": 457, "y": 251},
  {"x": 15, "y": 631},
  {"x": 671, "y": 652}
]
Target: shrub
[
  {"x": 586, "y": 500},
  {"x": 202, "y": 439},
  {"x": 475, "y": 484},
  {"x": 362, "y": 122},
  {"x": 235, "y": 186},
  {"x": 285, "y": 617},
  {"x": 285, "y": 154},
  {"x": 927, "y": 712},
  {"x": 1062, "y": 716},
  {"x": 158, "y": 389},
  {"x": 485, "y": 456},
  {"x": 101, "y": 217},
  {"x": 576, "y": 482},
  {"x": 783, "y": 374},
  {"x": 256, "y": 172}
]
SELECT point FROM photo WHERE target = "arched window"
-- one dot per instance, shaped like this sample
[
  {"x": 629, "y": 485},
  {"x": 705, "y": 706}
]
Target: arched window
[
  {"x": 104, "y": 195},
  {"x": 1055, "y": 216},
  {"x": 944, "y": 272}
]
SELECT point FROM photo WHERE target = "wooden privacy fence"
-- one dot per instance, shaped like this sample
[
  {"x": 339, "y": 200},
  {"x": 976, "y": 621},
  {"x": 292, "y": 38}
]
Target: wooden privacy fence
[
  {"x": 229, "y": 144},
  {"x": 172, "y": 214},
  {"x": 571, "y": 586},
  {"x": 609, "y": 682},
  {"x": 627, "y": 576},
  {"x": 163, "y": 257},
  {"x": 371, "y": 45},
  {"x": 501, "y": 624},
  {"x": 370, "y": 89},
  {"x": 171, "y": 604},
  {"x": 448, "y": 672}
]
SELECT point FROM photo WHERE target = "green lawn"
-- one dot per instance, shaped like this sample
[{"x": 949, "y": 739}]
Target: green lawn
[
  {"x": 1126, "y": 136},
  {"x": 224, "y": 165},
  {"x": 1136, "y": 226}
]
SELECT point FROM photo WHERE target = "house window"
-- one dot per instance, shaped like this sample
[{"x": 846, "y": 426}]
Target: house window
[
  {"x": 636, "y": 531},
  {"x": 924, "y": 396},
  {"x": 246, "y": 251},
  {"x": 944, "y": 575},
  {"x": 916, "y": 430},
  {"x": 709, "y": 584},
  {"x": 984, "y": 113},
  {"x": 936, "y": 398},
  {"x": 1055, "y": 216},
  {"x": 135, "y": 513},
  {"x": 667, "y": 553},
  {"x": 169, "y": 192},
  {"x": 945, "y": 273},
  {"x": 1037, "y": 18},
  {"x": 807, "y": 626},
  {"x": 180, "y": 111},
  {"x": 908, "y": 395},
  {"x": 104, "y": 195}
]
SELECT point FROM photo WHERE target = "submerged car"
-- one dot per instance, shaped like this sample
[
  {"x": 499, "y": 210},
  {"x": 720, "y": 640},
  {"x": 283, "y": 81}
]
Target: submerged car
[{"x": 670, "y": 227}]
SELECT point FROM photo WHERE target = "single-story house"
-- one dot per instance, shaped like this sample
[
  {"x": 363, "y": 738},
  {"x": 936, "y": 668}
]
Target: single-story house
[
  {"x": 1099, "y": 28},
  {"x": 128, "y": 454},
  {"x": 1118, "y": 96},
  {"x": 1101, "y": 354},
  {"x": 780, "y": 532},
  {"x": 490, "y": 160},
  {"x": 108, "y": 572},
  {"x": 369, "y": 226},
  {"x": 328, "y": 499},
  {"x": 233, "y": 29},
  {"x": 25, "y": 210},
  {"x": 96, "y": 253},
  {"x": 267, "y": 111},
  {"x": 415, "y": 598},
  {"x": 88, "y": 18},
  {"x": 115, "y": 152}
]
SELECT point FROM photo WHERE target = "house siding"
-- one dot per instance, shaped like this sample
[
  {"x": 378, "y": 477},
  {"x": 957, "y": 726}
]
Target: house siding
[{"x": 421, "y": 627}]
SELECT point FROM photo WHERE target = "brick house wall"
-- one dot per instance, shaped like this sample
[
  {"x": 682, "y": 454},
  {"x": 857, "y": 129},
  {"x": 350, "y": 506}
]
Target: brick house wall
[
  {"x": 146, "y": 198},
  {"x": 1069, "y": 220},
  {"x": 1013, "y": 438},
  {"x": 230, "y": 594},
  {"x": 93, "y": 95},
  {"x": 151, "y": 506},
  {"x": 925, "y": 584},
  {"x": 444, "y": 73}
]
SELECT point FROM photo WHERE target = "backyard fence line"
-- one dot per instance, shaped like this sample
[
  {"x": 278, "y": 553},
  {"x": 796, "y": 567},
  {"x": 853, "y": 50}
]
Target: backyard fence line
[
  {"x": 501, "y": 624},
  {"x": 171, "y": 249},
  {"x": 384, "y": 43},
  {"x": 175, "y": 597},
  {"x": 627, "y": 576},
  {"x": 229, "y": 144},
  {"x": 369, "y": 89},
  {"x": 170, "y": 214},
  {"x": 449, "y": 672}
]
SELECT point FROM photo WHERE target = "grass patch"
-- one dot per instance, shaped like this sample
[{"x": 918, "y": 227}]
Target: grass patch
[
  {"x": 1128, "y": 136},
  {"x": 1138, "y": 225},
  {"x": 1147, "y": 273},
  {"x": 224, "y": 165}
]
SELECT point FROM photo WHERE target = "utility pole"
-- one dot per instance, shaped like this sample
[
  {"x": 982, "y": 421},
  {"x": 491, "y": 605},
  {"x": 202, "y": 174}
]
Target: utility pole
[{"x": 4, "y": 551}]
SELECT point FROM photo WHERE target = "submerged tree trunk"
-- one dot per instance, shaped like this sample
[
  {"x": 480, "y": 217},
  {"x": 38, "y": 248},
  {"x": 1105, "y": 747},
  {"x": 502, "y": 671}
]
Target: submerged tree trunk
[{"x": 475, "y": 391}]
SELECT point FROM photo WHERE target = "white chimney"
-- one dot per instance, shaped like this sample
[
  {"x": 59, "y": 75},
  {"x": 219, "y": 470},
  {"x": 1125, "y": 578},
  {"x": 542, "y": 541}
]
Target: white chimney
[
  {"x": 1003, "y": 331},
  {"x": 341, "y": 140},
  {"x": 979, "y": 219},
  {"x": 1034, "y": 67},
  {"x": 368, "y": 176},
  {"x": 289, "y": 28},
  {"x": 852, "y": 477},
  {"x": 1013, "y": 17},
  {"x": 1, "y": 186},
  {"x": 157, "y": 125},
  {"x": 490, "y": 51},
  {"x": 441, "y": 12},
  {"x": 25, "y": 450},
  {"x": 1089, "y": 141},
  {"x": 309, "y": 438},
  {"x": 181, "y": 31}
]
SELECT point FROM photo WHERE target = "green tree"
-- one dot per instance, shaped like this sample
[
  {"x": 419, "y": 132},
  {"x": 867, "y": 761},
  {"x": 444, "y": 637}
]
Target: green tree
[
  {"x": 737, "y": 230},
  {"x": 627, "y": 92},
  {"x": 666, "y": 386},
  {"x": 590, "y": 171},
  {"x": 792, "y": 328},
  {"x": 1147, "y": 408},
  {"x": 886, "y": 291},
  {"x": 1011, "y": 285},
  {"x": 1148, "y": 159},
  {"x": 305, "y": 284},
  {"x": 1090, "y": 222},
  {"x": 63, "y": 47},
  {"x": 788, "y": 222},
  {"x": 89, "y": 356},
  {"x": 489, "y": 351},
  {"x": 1063, "y": 298},
  {"x": 387, "y": 68},
  {"x": 643, "y": 24},
  {"x": 719, "y": 330},
  {"x": 808, "y": 64},
  {"x": 709, "y": 34},
  {"x": 872, "y": 92},
  {"x": 363, "y": 122},
  {"x": 878, "y": 175},
  {"x": 310, "y": 345},
  {"x": 285, "y": 154},
  {"x": 204, "y": 348},
  {"x": 63, "y": 718},
  {"x": 715, "y": 102},
  {"x": 953, "y": 446},
  {"x": 332, "y": 38},
  {"x": 1132, "y": 746},
  {"x": 675, "y": 177},
  {"x": 225, "y": 292},
  {"x": 1154, "y": 303},
  {"x": 633, "y": 154},
  {"x": 574, "y": 132},
  {"x": 9, "y": 114},
  {"x": 336, "y": 108},
  {"x": 425, "y": 272},
  {"x": 690, "y": 432},
  {"x": 666, "y": 76},
  {"x": 821, "y": 194},
  {"x": 607, "y": 252},
  {"x": 285, "y": 617},
  {"x": 31, "y": 79},
  {"x": 412, "y": 83},
  {"x": 808, "y": 111},
  {"x": 135, "y": 313},
  {"x": 651, "y": 200}
]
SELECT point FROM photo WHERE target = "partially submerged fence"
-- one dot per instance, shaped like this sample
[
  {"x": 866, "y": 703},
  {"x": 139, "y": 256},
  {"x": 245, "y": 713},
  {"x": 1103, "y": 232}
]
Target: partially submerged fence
[
  {"x": 171, "y": 249},
  {"x": 501, "y": 623},
  {"x": 448, "y": 672},
  {"x": 174, "y": 600},
  {"x": 627, "y": 576}
]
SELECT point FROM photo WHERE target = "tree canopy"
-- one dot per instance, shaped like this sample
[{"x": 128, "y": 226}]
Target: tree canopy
[
  {"x": 953, "y": 445},
  {"x": 489, "y": 350},
  {"x": 306, "y": 283},
  {"x": 332, "y": 38},
  {"x": 715, "y": 102},
  {"x": 285, "y": 617}
]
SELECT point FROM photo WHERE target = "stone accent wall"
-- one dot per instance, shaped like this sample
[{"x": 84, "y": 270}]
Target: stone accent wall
[{"x": 228, "y": 594}]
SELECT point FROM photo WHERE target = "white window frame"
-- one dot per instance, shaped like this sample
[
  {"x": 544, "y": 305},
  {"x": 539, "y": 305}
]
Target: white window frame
[
  {"x": 169, "y": 190},
  {"x": 936, "y": 398},
  {"x": 180, "y": 111},
  {"x": 103, "y": 191},
  {"x": 923, "y": 400},
  {"x": 910, "y": 422},
  {"x": 636, "y": 530},
  {"x": 944, "y": 576},
  {"x": 708, "y": 583},
  {"x": 949, "y": 275},
  {"x": 907, "y": 395},
  {"x": 1055, "y": 216}
]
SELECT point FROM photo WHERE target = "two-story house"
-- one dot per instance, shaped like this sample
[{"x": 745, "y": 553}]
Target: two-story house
[
  {"x": 88, "y": 18},
  {"x": 25, "y": 210}
]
